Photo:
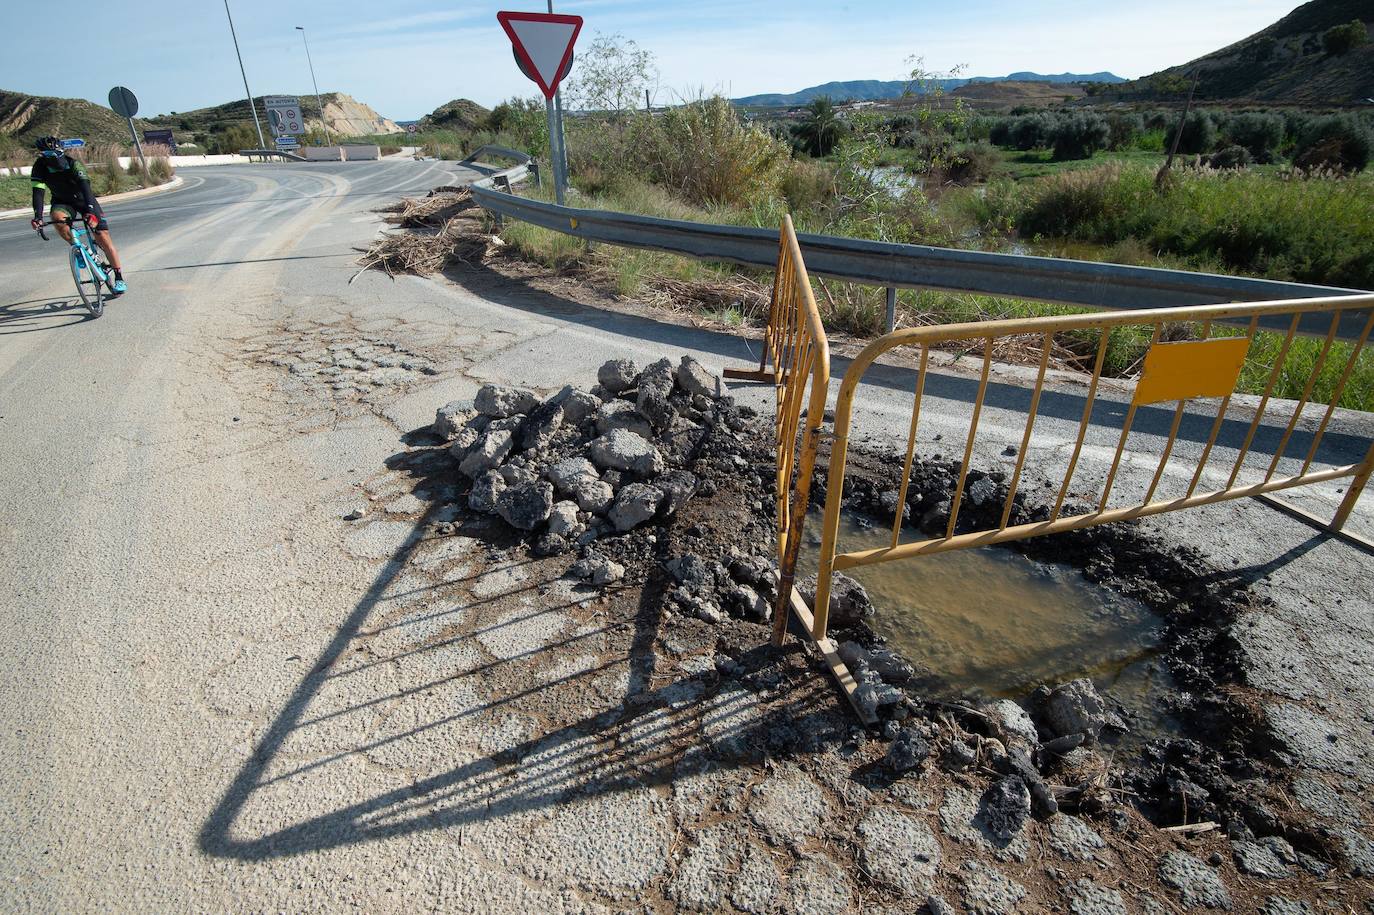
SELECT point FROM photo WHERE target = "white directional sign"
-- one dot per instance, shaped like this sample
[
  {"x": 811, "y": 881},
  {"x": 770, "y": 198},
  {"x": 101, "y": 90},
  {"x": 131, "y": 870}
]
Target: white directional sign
[
  {"x": 543, "y": 42},
  {"x": 284, "y": 114}
]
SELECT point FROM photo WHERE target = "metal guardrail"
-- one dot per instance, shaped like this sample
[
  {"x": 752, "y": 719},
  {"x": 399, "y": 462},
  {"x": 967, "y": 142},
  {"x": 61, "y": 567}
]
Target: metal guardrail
[
  {"x": 507, "y": 177},
  {"x": 1047, "y": 279},
  {"x": 269, "y": 153}
]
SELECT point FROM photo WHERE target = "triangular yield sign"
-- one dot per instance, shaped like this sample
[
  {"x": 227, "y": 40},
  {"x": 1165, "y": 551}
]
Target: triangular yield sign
[{"x": 544, "y": 42}]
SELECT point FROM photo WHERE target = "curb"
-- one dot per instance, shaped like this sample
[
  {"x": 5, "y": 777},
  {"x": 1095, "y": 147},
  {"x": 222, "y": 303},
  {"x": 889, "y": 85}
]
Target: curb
[{"x": 172, "y": 185}]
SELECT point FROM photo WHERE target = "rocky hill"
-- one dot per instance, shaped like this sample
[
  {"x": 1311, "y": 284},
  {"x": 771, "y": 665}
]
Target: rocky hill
[
  {"x": 875, "y": 89},
  {"x": 345, "y": 115},
  {"x": 1287, "y": 62},
  {"x": 1014, "y": 92},
  {"x": 24, "y": 118},
  {"x": 460, "y": 114}
]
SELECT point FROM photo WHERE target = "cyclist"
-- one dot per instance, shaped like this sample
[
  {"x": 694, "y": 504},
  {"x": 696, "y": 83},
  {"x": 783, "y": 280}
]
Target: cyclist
[{"x": 71, "y": 197}]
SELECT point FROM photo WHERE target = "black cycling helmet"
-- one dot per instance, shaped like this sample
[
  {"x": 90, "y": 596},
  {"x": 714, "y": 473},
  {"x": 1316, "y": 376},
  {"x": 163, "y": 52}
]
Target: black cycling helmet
[{"x": 47, "y": 143}]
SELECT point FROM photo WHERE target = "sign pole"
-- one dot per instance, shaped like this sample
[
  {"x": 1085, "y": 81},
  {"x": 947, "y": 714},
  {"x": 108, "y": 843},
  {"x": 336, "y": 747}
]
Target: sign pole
[
  {"x": 137, "y": 145},
  {"x": 262, "y": 144},
  {"x": 562, "y": 137},
  {"x": 555, "y": 159}
]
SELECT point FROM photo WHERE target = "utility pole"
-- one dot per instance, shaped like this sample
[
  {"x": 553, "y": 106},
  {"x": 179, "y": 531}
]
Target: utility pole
[
  {"x": 1178, "y": 134},
  {"x": 323, "y": 121},
  {"x": 262, "y": 144}
]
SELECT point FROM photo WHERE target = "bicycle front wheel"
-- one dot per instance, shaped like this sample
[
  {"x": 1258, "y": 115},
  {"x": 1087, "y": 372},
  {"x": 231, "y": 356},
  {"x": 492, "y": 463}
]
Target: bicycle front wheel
[{"x": 87, "y": 283}]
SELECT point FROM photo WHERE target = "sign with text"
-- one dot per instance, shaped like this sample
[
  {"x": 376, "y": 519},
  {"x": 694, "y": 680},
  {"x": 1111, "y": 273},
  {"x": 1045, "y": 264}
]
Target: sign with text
[
  {"x": 543, "y": 44},
  {"x": 284, "y": 114}
]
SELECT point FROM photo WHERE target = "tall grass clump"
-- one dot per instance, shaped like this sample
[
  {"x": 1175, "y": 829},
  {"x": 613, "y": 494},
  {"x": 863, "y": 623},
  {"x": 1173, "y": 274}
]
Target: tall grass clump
[{"x": 1317, "y": 230}]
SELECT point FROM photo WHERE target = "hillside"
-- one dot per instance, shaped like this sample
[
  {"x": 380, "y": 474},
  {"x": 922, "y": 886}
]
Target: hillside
[
  {"x": 1285, "y": 62},
  {"x": 346, "y": 116},
  {"x": 459, "y": 114},
  {"x": 24, "y": 118},
  {"x": 1014, "y": 92},
  {"x": 875, "y": 89}
]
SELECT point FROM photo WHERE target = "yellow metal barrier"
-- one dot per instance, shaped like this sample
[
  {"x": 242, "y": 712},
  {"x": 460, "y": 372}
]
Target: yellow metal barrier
[
  {"x": 1172, "y": 372},
  {"x": 796, "y": 360}
]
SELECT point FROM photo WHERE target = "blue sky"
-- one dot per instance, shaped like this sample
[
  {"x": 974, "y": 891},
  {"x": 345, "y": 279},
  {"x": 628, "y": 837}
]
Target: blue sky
[{"x": 407, "y": 56}]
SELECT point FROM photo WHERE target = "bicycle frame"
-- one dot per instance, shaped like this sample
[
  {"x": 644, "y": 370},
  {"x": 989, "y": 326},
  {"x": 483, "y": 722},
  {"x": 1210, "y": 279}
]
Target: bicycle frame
[{"x": 82, "y": 241}]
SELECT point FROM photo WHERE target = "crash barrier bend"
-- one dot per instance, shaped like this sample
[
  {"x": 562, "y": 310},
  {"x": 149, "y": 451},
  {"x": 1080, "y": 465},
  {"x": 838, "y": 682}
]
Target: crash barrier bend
[{"x": 1178, "y": 373}]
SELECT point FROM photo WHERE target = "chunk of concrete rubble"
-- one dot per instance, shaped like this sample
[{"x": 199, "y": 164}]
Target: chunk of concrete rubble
[
  {"x": 849, "y": 602},
  {"x": 1011, "y": 720},
  {"x": 620, "y": 414},
  {"x": 485, "y": 491},
  {"x": 491, "y": 449},
  {"x": 527, "y": 505},
  {"x": 655, "y": 386},
  {"x": 899, "y": 850},
  {"x": 1077, "y": 708},
  {"x": 678, "y": 486},
  {"x": 500, "y": 401},
  {"x": 635, "y": 504},
  {"x": 563, "y": 519},
  {"x": 885, "y": 662},
  {"x": 565, "y": 473},
  {"x": 695, "y": 379},
  {"x": 873, "y": 695},
  {"x": 909, "y": 749},
  {"x": 541, "y": 425},
  {"x": 607, "y": 572},
  {"x": 592, "y": 495},
  {"x": 1197, "y": 884},
  {"x": 617, "y": 375},
  {"x": 621, "y": 450},
  {"x": 449, "y": 418},
  {"x": 1005, "y": 807}
]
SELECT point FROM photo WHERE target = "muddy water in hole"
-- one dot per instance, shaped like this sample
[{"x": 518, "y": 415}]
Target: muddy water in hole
[{"x": 991, "y": 622}]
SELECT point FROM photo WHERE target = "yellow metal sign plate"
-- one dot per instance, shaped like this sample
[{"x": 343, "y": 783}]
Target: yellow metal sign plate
[{"x": 1196, "y": 368}]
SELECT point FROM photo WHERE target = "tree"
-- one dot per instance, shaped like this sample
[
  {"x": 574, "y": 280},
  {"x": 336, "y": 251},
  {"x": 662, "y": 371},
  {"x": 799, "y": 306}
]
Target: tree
[
  {"x": 611, "y": 75},
  {"x": 822, "y": 129},
  {"x": 1079, "y": 135},
  {"x": 1340, "y": 39}
]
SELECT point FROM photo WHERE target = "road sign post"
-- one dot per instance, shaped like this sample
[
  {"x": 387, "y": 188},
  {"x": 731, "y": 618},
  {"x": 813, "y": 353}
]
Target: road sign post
[
  {"x": 124, "y": 103},
  {"x": 543, "y": 46}
]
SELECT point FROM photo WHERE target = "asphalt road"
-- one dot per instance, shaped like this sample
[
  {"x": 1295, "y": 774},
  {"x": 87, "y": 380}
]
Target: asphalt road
[{"x": 210, "y": 696}]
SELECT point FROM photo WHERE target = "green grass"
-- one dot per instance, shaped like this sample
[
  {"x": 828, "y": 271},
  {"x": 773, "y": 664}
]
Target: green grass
[
  {"x": 1020, "y": 166},
  {"x": 14, "y": 192}
]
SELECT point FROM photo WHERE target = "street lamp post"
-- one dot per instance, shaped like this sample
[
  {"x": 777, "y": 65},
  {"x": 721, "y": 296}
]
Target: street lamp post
[
  {"x": 323, "y": 122},
  {"x": 262, "y": 144}
]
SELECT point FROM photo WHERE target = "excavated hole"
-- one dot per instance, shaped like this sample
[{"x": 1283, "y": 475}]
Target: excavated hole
[{"x": 993, "y": 623}]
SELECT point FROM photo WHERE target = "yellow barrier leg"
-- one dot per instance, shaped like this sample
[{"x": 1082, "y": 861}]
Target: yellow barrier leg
[{"x": 1352, "y": 495}]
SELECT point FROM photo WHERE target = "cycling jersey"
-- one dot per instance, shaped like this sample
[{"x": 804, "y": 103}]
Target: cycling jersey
[{"x": 66, "y": 178}]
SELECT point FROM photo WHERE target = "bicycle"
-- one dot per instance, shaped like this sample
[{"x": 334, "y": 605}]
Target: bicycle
[{"x": 88, "y": 267}]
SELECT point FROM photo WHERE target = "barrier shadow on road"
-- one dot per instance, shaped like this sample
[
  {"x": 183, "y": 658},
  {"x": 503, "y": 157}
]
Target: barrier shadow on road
[
  {"x": 488, "y": 711},
  {"x": 35, "y": 315},
  {"x": 955, "y": 389}
]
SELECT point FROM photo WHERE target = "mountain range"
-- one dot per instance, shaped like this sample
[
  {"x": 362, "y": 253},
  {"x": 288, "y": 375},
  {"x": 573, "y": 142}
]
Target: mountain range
[{"x": 873, "y": 89}]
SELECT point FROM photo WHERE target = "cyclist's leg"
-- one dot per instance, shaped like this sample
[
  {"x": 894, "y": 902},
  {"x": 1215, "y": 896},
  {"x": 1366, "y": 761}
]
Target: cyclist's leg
[
  {"x": 62, "y": 215},
  {"x": 103, "y": 239}
]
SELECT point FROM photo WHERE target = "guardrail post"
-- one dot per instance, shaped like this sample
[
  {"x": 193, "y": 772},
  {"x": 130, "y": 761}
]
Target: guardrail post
[{"x": 891, "y": 309}]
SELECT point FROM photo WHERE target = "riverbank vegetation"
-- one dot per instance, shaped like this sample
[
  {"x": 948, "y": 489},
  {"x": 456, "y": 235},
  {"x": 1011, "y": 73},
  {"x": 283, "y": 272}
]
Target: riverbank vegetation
[{"x": 1281, "y": 195}]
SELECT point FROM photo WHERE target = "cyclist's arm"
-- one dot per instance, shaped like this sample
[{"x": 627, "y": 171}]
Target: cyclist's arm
[{"x": 35, "y": 174}]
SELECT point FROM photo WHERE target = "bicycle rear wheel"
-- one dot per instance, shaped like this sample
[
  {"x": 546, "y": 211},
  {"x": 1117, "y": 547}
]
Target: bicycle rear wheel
[{"x": 87, "y": 283}]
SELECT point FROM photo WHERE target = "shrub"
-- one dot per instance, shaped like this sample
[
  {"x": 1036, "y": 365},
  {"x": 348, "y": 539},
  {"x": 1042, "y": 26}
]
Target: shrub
[
  {"x": 1231, "y": 157},
  {"x": 1124, "y": 130},
  {"x": 1000, "y": 133},
  {"x": 707, "y": 154},
  {"x": 807, "y": 186},
  {"x": 1339, "y": 141},
  {"x": 1079, "y": 135},
  {"x": 1341, "y": 39},
  {"x": 972, "y": 163},
  {"x": 1260, "y": 133},
  {"x": 160, "y": 169},
  {"x": 1032, "y": 131},
  {"x": 1199, "y": 133},
  {"x": 231, "y": 139}
]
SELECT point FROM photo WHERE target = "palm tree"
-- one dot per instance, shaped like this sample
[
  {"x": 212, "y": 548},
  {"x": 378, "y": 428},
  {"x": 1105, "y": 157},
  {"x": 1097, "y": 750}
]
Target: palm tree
[{"x": 823, "y": 128}]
